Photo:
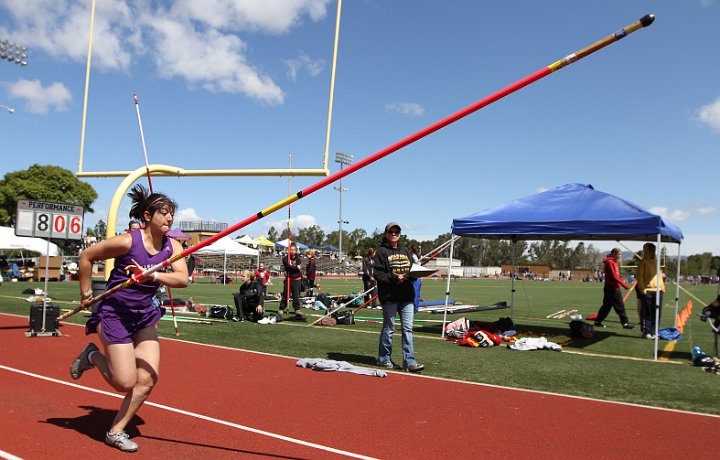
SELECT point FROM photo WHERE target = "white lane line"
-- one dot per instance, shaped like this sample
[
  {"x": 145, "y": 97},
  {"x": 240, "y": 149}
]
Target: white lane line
[
  {"x": 193, "y": 414},
  {"x": 8, "y": 456}
]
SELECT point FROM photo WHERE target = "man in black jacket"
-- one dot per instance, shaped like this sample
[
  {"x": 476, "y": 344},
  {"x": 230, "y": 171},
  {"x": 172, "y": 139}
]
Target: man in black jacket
[{"x": 391, "y": 266}]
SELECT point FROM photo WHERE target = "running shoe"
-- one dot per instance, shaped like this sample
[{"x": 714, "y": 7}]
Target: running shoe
[
  {"x": 417, "y": 367},
  {"x": 82, "y": 362},
  {"x": 120, "y": 440}
]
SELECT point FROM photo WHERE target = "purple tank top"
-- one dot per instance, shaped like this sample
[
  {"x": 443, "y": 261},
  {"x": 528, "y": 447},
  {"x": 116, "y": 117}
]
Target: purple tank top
[{"x": 136, "y": 297}]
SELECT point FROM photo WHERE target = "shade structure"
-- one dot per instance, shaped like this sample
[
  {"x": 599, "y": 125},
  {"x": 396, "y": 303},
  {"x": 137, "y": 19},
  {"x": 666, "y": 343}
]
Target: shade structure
[
  {"x": 178, "y": 234},
  {"x": 8, "y": 240},
  {"x": 227, "y": 247},
  {"x": 284, "y": 243},
  {"x": 263, "y": 241},
  {"x": 568, "y": 212},
  {"x": 247, "y": 240}
]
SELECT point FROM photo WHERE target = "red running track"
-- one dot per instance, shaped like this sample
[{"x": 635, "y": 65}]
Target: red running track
[{"x": 221, "y": 403}]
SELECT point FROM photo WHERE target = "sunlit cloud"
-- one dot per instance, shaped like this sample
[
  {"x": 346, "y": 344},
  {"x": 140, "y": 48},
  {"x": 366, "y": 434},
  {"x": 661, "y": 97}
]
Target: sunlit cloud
[
  {"x": 710, "y": 115},
  {"x": 412, "y": 109},
  {"x": 39, "y": 98}
]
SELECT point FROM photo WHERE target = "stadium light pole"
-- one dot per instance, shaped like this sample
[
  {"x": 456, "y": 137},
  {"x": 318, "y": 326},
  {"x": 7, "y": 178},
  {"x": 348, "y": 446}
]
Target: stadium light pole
[
  {"x": 343, "y": 159},
  {"x": 13, "y": 52}
]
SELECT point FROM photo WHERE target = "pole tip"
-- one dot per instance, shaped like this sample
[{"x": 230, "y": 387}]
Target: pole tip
[{"x": 647, "y": 19}]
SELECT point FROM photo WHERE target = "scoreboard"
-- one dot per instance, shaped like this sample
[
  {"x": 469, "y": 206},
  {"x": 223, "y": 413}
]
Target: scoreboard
[{"x": 49, "y": 220}]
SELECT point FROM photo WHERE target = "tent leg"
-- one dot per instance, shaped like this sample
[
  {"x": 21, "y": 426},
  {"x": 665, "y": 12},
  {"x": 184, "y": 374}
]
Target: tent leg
[{"x": 447, "y": 288}]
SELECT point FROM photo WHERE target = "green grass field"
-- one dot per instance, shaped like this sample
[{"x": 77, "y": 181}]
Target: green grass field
[{"x": 616, "y": 364}]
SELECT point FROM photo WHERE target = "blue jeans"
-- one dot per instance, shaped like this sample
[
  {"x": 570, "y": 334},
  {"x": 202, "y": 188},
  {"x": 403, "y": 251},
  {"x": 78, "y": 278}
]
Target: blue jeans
[{"x": 390, "y": 309}]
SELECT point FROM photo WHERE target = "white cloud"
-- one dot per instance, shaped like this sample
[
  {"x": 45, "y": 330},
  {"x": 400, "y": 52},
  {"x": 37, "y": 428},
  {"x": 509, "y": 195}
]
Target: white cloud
[
  {"x": 61, "y": 29},
  {"x": 272, "y": 16},
  {"x": 40, "y": 99},
  {"x": 187, "y": 214},
  {"x": 195, "y": 41},
  {"x": 296, "y": 223},
  {"x": 303, "y": 62},
  {"x": 211, "y": 59},
  {"x": 412, "y": 109},
  {"x": 706, "y": 210},
  {"x": 677, "y": 215},
  {"x": 710, "y": 115},
  {"x": 541, "y": 189}
]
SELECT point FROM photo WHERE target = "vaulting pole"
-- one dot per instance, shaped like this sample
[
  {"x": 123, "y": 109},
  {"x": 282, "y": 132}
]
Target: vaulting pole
[
  {"x": 142, "y": 140},
  {"x": 545, "y": 71},
  {"x": 147, "y": 170}
]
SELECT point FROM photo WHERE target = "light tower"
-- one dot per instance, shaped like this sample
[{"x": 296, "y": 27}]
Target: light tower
[{"x": 343, "y": 159}]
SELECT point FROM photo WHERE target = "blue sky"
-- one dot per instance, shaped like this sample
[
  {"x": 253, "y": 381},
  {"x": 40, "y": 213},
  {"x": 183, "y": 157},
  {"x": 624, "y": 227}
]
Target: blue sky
[{"x": 241, "y": 85}]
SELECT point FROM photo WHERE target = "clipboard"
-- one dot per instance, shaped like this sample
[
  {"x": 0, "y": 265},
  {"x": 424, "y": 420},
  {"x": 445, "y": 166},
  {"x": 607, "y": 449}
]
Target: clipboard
[{"x": 418, "y": 271}]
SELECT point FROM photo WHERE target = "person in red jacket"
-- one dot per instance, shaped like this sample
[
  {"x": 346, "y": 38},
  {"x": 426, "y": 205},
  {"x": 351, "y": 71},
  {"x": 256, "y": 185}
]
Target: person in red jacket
[{"x": 612, "y": 297}]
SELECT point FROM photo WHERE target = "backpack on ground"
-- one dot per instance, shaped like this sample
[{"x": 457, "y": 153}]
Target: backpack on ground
[
  {"x": 581, "y": 329},
  {"x": 220, "y": 311},
  {"x": 344, "y": 317}
]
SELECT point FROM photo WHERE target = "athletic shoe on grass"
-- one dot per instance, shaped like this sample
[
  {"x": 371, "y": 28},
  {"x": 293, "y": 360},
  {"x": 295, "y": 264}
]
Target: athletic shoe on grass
[
  {"x": 417, "y": 367},
  {"x": 628, "y": 326},
  {"x": 82, "y": 362},
  {"x": 389, "y": 365},
  {"x": 120, "y": 440}
]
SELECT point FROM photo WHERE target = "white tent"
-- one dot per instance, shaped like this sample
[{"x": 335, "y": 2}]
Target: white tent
[
  {"x": 284, "y": 243},
  {"x": 247, "y": 240},
  {"x": 8, "y": 240},
  {"x": 226, "y": 247}
]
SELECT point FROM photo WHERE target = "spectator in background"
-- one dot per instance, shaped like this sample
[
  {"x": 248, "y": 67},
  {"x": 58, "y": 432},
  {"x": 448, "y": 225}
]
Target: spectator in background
[
  {"x": 133, "y": 225},
  {"x": 263, "y": 275},
  {"x": 391, "y": 265},
  {"x": 369, "y": 283},
  {"x": 293, "y": 280},
  {"x": 310, "y": 271},
  {"x": 612, "y": 296},
  {"x": 649, "y": 285},
  {"x": 250, "y": 299}
]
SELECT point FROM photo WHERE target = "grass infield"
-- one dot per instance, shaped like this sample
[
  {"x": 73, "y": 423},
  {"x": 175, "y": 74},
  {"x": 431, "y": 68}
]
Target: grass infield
[{"x": 616, "y": 364}]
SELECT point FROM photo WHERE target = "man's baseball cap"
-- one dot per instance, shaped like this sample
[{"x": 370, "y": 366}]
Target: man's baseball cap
[{"x": 391, "y": 225}]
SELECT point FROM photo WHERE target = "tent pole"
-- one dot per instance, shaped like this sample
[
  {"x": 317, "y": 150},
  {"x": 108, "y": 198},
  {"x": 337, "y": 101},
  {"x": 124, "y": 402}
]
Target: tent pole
[
  {"x": 512, "y": 277},
  {"x": 658, "y": 275},
  {"x": 447, "y": 288},
  {"x": 677, "y": 288}
]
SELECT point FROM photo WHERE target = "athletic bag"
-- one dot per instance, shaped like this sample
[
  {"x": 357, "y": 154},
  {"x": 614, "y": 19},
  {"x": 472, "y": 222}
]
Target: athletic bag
[
  {"x": 581, "y": 329},
  {"x": 344, "y": 317},
  {"x": 327, "y": 321},
  {"x": 220, "y": 311}
]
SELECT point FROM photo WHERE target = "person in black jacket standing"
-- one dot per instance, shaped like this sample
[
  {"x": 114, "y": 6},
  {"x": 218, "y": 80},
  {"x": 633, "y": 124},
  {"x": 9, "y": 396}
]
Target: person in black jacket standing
[
  {"x": 391, "y": 265},
  {"x": 310, "y": 271},
  {"x": 293, "y": 275}
]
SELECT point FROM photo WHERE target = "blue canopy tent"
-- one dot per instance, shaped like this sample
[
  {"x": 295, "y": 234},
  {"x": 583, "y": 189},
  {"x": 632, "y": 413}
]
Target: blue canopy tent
[{"x": 568, "y": 212}]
